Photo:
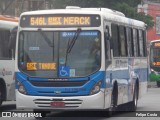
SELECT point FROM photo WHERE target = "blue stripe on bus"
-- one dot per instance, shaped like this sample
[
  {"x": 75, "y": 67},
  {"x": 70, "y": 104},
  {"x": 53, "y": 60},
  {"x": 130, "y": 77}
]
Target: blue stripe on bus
[
  {"x": 65, "y": 91},
  {"x": 79, "y": 90}
]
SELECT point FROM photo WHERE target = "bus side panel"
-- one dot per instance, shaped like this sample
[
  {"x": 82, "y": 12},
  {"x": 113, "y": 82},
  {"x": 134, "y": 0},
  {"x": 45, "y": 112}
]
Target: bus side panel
[
  {"x": 143, "y": 76},
  {"x": 7, "y": 74}
]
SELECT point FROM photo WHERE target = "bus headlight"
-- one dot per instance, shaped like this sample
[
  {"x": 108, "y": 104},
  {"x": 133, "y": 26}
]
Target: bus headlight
[
  {"x": 96, "y": 88},
  {"x": 21, "y": 88},
  {"x": 154, "y": 72}
]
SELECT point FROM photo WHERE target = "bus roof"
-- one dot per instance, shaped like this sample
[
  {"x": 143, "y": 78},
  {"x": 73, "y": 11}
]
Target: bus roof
[
  {"x": 158, "y": 40},
  {"x": 8, "y": 22},
  {"x": 75, "y": 9},
  {"x": 107, "y": 14}
]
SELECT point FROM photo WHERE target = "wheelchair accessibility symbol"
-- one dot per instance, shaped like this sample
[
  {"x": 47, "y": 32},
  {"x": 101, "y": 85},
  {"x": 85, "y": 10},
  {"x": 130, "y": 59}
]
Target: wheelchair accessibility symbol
[{"x": 64, "y": 71}]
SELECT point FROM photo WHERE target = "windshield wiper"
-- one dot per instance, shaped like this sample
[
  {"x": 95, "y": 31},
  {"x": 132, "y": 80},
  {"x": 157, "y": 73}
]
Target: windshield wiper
[
  {"x": 46, "y": 38},
  {"x": 71, "y": 43}
]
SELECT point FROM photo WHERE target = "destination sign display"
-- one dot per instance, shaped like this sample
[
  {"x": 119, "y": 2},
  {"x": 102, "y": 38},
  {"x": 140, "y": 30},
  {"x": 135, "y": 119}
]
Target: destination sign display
[
  {"x": 156, "y": 63},
  {"x": 60, "y": 21},
  {"x": 41, "y": 66},
  {"x": 156, "y": 44}
]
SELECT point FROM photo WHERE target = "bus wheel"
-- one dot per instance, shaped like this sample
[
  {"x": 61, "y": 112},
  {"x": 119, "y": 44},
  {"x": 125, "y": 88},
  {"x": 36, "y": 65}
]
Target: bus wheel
[
  {"x": 114, "y": 98},
  {"x": 158, "y": 83},
  {"x": 135, "y": 100}
]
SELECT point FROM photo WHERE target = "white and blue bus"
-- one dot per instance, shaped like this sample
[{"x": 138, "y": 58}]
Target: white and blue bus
[
  {"x": 80, "y": 59},
  {"x": 8, "y": 27}
]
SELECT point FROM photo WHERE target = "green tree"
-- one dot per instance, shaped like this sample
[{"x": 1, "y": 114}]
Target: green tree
[
  {"x": 131, "y": 12},
  {"x": 146, "y": 18}
]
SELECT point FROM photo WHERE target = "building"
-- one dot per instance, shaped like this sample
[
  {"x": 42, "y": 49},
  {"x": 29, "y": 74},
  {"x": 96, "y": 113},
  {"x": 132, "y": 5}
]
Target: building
[{"x": 152, "y": 8}]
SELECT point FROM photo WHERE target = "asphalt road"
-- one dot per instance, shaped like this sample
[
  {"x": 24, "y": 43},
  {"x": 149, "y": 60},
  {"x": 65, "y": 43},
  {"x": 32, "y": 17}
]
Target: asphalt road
[{"x": 149, "y": 104}]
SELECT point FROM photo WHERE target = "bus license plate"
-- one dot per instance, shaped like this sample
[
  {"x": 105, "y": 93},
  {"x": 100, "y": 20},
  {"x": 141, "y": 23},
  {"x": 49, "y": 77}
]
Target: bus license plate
[{"x": 57, "y": 104}]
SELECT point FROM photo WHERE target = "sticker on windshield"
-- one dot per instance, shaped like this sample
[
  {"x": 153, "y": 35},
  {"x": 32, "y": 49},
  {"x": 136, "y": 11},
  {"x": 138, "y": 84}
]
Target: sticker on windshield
[
  {"x": 62, "y": 60},
  {"x": 71, "y": 34},
  {"x": 72, "y": 73},
  {"x": 96, "y": 40},
  {"x": 64, "y": 71},
  {"x": 33, "y": 48}
]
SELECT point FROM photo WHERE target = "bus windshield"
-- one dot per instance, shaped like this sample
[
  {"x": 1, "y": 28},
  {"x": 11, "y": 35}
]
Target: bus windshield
[
  {"x": 44, "y": 53},
  {"x": 155, "y": 56}
]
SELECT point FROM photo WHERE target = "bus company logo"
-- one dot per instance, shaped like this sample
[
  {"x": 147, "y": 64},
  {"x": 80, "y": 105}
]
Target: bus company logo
[
  {"x": 64, "y": 34},
  {"x": 57, "y": 92},
  {"x": 68, "y": 34},
  {"x": 3, "y": 72}
]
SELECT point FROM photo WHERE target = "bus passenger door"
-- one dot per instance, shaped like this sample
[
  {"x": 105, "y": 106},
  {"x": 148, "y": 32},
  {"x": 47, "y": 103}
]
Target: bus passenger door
[{"x": 108, "y": 67}]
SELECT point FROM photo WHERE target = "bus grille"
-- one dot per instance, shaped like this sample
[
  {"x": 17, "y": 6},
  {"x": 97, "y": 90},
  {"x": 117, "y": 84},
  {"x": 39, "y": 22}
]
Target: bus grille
[
  {"x": 69, "y": 103},
  {"x": 57, "y": 83}
]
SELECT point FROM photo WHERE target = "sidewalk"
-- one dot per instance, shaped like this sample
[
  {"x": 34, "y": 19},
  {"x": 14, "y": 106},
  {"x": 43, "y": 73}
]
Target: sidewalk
[{"x": 152, "y": 84}]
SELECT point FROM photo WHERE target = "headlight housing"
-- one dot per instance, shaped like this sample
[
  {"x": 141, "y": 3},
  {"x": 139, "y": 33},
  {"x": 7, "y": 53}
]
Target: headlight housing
[
  {"x": 154, "y": 72},
  {"x": 96, "y": 88},
  {"x": 21, "y": 88}
]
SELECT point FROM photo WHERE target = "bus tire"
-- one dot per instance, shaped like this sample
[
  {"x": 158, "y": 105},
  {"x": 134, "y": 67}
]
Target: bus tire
[
  {"x": 133, "y": 105},
  {"x": 114, "y": 99},
  {"x": 158, "y": 83}
]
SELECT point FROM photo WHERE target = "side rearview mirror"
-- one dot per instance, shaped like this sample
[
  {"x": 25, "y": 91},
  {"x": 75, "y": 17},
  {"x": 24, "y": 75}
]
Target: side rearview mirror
[
  {"x": 12, "y": 40},
  {"x": 107, "y": 34},
  {"x": 108, "y": 37}
]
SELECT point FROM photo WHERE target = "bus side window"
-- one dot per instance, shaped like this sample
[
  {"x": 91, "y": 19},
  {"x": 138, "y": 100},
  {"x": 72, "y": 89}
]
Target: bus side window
[
  {"x": 123, "y": 41},
  {"x": 144, "y": 44},
  {"x": 115, "y": 39},
  {"x": 4, "y": 39},
  {"x": 130, "y": 42},
  {"x": 135, "y": 42},
  {"x": 141, "y": 53}
]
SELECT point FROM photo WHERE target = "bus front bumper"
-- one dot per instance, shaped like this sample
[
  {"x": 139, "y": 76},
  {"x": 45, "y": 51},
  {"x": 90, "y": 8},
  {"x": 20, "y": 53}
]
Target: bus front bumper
[{"x": 92, "y": 102}]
